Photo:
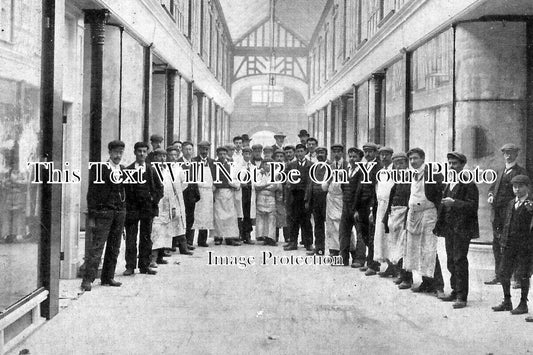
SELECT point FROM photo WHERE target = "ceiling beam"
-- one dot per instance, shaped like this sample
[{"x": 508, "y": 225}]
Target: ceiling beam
[{"x": 267, "y": 51}]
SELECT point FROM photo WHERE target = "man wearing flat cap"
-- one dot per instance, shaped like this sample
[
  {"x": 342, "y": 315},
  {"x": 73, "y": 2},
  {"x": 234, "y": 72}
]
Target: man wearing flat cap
[
  {"x": 421, "y": 242},
  {"x": 257, "y": 155},
  {"x": 299, "y": 217},
  {"x": 457, "y": 222},
  {"x": 156, "y": 140},
  {"x": 394, "y": 221},
  {"x": 106, "y": 204},
  {"x": 203, "y": 211},
  {"x": 334, "y": 201},
  {"x": 367, "y": 205},
  {"x": 382, "y": 247},
  {"x": 517, "y": 245},
  {"x": 280, "y": 139},
  {"x": 315, "y": 200},
  {"x": 500, "y": 193},
  {"x": 225, "y": 214}
]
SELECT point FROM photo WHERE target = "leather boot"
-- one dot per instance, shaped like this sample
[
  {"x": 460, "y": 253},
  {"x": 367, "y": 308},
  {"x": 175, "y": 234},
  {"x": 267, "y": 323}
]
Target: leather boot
[
  {"x": 521, "y": 309},
  {"x": 506, "y": 305},
  {"x": 182, "y": 245}
]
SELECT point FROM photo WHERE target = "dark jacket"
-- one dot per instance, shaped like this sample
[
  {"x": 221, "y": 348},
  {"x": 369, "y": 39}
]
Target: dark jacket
[
  {"x": 517, "y": 226},
  {"x": 433, "y": 191},
  {"x": 349, "y": 191},
  {"x": 461, "y": 218},
  {"x": 502, "y": 189},
  {"x": 399, "y": 196},
  {"x": 106, "y": 196},
  {"x": 142, "y": 200},
  {"x": 304, "y": 174},
  {"x": 191, "y": 194}
]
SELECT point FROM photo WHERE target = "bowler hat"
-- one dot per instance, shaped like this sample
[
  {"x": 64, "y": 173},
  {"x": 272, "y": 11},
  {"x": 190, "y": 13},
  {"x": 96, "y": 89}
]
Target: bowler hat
[{"x": 303, "y": 133}]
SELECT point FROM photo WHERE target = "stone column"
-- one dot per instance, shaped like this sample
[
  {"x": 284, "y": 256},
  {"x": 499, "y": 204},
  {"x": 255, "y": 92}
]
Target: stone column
[
  {"x": 376, "y": 111},
  {"x": 200, "y": 115},
  {"x": 171, "y": 81},
  {"x": 97, "y": 20}
]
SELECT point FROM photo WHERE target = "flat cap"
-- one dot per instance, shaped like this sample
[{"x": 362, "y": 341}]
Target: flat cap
[
  {"x": 520, "y": 180},
  {"x": 300, "y": 146},
  {"x": 246, "y": 149},
  {"x": 257, "y": 147},
  {"x": 171, "y": 148},
  {"x": 115, "y": 144},
  {"x": 337, "y": 146},
  {"x": 280, "y": 134},
  {"x": 509, "y": 146},
  {"x": 279, "y": 151},
  {"x": 222, "y": 148},
  {"x": 399, "y": 155},
  {"x": 267, "y": 148},
  {"x": 230, "y": 146},
  {"x": 459, "y": 156},
  {"x": 370, "y": 145},
  {"x": 356, "y": 150},
  {"x": 303, "y": 133},
  {"x": 204, "y": 144},
  {"x": 321, "y": 149},
  {"x": 289, "y": 147},
  {"x": 160, "y": 151},
  {"x": 245, "y": 138},
  {"x": 386, "y": 150},
  {"x": 156, "y": 138}
]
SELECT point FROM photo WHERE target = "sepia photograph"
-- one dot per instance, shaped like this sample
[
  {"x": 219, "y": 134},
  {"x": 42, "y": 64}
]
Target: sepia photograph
[{"x": 266, "y": 177}]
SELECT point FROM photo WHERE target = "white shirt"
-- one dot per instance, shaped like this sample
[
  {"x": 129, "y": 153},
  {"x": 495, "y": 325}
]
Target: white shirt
[
  {"x": 509, "y": 166},
  {"x": 519, "y": 201}
]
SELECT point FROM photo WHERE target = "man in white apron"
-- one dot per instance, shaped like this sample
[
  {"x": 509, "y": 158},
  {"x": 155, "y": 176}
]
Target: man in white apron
[{"x": 203, "y": 212}]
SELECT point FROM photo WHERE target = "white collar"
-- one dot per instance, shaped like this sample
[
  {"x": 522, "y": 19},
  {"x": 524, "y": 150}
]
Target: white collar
[{"x": 510, "y": 165}]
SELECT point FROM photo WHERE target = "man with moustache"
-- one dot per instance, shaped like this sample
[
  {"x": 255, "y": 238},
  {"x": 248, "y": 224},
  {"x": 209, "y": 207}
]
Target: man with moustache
[
  {"x": 500, "y": 193},
  {"x": 457, "y": 222}
]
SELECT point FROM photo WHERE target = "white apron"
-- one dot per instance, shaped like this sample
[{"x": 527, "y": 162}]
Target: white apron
[
  {"x": 169, "y": 220},
  {"x": 397, "y": 233},
  {"x": 382, "y": 247},
  {"x": 225, "y": 216},
  {"x": 203, "y": 211}
]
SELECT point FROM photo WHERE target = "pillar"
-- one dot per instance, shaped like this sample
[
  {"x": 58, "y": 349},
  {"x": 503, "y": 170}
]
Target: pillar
[
  {"x": 200, "y": 115},
  {"x": 147, "y": 82},
  {"x": 376, "y": 110},
  {"x": 171, "y": 83}
]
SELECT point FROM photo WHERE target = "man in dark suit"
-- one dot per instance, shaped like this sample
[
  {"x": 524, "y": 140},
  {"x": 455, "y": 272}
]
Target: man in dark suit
[
  {"x": 298, "y": 215},
  {"x": 500, "y": 193},
  {"x": 347, "y": 222},
  {"x": 191, "y": 195},
  {"x": 366, "y": 203},
  {"x": 107, "y": 212},
  {"x": 517, "y": 245},
  {"x": 457, "y": 222},
  {"x": 142, "y": 206},
  {"x": 315, "y": 201}
]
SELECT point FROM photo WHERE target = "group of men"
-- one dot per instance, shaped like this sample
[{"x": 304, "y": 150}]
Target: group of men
[{"x": 385, "y": 227}]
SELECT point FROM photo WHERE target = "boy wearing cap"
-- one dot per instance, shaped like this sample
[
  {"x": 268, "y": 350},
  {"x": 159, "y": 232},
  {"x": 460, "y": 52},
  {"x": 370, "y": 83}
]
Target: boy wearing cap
[
  {"x": 303, "y": 135},
  {"x": 457, "y": 222},
  {"x": 500, "y": 193},
  {"x": 267, "y": 152},
  {"x": 517, "y": 244},
  {"x": 106, "y": 205},
  {"x": 394, "y": 222}
]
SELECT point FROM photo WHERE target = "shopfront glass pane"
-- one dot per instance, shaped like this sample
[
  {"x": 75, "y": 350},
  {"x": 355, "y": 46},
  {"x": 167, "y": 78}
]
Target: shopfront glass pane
[{"x": 20, "y": 139}]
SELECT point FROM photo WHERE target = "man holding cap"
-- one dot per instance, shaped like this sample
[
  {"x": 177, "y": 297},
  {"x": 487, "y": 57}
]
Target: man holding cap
[
  {"x": 517, "y": 244},
  {"x": 106, "y": 204},
  {"x": 500, "y": 193},
  {"x": 457, "y": 222}
]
